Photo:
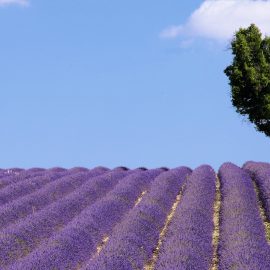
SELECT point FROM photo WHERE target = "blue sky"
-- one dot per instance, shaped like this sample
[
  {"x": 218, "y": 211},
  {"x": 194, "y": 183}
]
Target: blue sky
[{"x": 131, "y": 83}]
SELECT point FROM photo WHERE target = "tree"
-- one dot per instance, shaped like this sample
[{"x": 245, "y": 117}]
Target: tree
[{"x": 249, "y": 76}]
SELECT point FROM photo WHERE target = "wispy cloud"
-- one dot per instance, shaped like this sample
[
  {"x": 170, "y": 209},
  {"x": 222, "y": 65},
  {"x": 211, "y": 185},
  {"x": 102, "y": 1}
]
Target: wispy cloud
[
  {"x": 220, "y": 19},
  {"x": 14, "y": 2},
  {"x": 172, "y": 32}
]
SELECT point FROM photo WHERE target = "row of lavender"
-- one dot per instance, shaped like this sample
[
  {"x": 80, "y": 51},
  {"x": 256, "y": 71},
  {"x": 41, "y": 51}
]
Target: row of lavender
[
  {"x": 188, "y": 244},
  {"x": 37, "y": 242},
  {"x": 30, "y": 191},
  {"x": 57, "y": 203},
  {"x": 80, "y": 237},
  {"x": 260, "y": 171},
  {"x": 133, "y": 240},
  {"x": 243, "y": 243},
  {"x": 19, "y": 240}
]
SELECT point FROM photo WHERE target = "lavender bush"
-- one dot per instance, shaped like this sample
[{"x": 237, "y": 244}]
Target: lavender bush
[
  {"x": 11, "y": 176},
  {"x": 46, "y": 195},
  {"x": 79, "y": 239},
  {"x": 29, "y": 185},
  {"x": 243, "y": 243},
  {"x": 188, "y": 242},
  {"x": 133, "y": 240},
  {"x": 56, "y": 169},
  {"x": 121, "y": 219},
  {"x": 19, "y": 239},
  {"x": 260, "y": 172},
  {"x": 13, "y": 171}
]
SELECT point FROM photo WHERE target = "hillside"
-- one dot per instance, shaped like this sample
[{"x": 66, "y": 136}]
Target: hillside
[{"x": 100, "y": 218}]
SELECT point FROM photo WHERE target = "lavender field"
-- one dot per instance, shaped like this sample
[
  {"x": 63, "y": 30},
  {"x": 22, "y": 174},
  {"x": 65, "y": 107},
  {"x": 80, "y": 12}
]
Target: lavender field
[{"x": 130, "y": 219}]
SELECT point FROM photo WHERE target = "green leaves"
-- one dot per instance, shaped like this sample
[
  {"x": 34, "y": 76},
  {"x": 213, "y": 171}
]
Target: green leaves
[{"x": 249, "y": 76}]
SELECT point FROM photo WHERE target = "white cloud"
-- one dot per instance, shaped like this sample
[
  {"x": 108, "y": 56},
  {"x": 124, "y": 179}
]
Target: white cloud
[
  {"x": 172, "y": 31},
  {"x": 220, "y": 19},
  {"x": 17, "y": 2},
  {"x": 186, "y": 43}
]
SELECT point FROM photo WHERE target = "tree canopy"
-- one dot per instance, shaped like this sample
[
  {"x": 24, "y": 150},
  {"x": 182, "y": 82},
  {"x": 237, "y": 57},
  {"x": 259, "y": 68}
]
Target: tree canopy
[{"x": 249, "y": 76}]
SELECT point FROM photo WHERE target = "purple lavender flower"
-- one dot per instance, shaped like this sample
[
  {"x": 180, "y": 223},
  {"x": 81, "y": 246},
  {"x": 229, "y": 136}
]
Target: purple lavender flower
[
  {"x": 79, "y": 239},
  {"x": 134, "y": 239},
  {"x": 46, "y": 195},
  {"x": 243, "y": 243},
  {"x": 101, "y": 219},
  {"x": 13, "y": 176},
  {"x": 21, "y": 188},
  {"x": 188, "y": 241},
  {"x": 21, "y": 238},
  {"x": 260, "y": 171},
  {"x": 56, "y": 170}
]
